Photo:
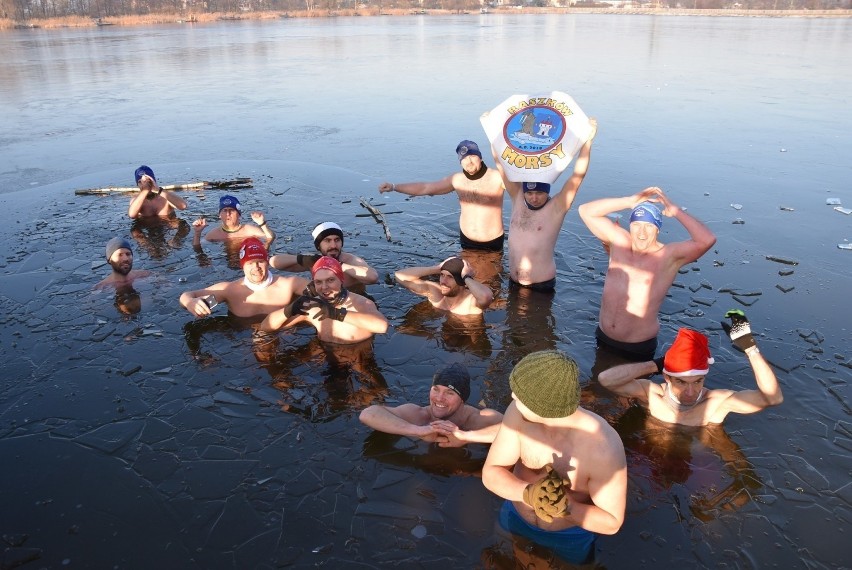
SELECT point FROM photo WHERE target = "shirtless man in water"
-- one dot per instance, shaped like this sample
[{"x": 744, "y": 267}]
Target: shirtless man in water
[
  {"x": 338, "y": 315},
  {"x": 641, "y": 269},
  {"x": 682, "y": 398},
  {"x": 232, "y": 228},
  {"x": 561, "y": 468},
  {"x": 447, "y": 420},
  {"x": 536, "y": 221},
  {"x": 120, "y": 259},
  {"x": 151, "y": 200},
  {"x": 480, "y": 193},
  {"x": 456, "y": 291},
  {"x": 258, "y": 293},
  {"x": 328, "y": 240}
]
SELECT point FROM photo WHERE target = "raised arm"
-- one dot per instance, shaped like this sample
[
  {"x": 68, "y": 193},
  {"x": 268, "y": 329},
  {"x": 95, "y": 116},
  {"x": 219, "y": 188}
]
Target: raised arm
[
  {"x": 442, "y": 186},
  {"x": 482, "y": 294},
  {"x": 198, "y": 227},
  {"x": 407, "y": 420},
  {"x": 258, "y": 218},
  {"x": 412, "y": 279},
  {"x": 626, "y": 379},
  {"x": 566, "y": 196},
  {"x": 701, "y": 238},
  {"x": 513, "y": 188},
  {"x": 136, "y": 203},
  {"x": 768, "y": 391},
  {"x": 366, "y": 316},
  {"x": 594, "y": 215},
  {"x": 358, "y": 269},
  {"x": 174, "y": 199}
]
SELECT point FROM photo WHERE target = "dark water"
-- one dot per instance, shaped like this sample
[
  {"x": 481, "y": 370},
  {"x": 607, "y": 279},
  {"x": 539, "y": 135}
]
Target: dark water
[{"x": 186, "y": 443}]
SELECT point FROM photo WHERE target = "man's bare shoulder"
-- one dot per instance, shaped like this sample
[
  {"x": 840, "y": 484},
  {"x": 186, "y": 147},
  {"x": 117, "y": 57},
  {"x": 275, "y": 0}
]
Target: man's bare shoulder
[{"x": 290, "y": 282}]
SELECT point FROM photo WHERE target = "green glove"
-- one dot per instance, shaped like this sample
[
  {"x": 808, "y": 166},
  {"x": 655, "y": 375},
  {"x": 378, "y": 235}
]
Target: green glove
[
  {"x": 548, "y": 496},
  {"x": 307, "y": 259},
  {"x": 739, "y": 330}
]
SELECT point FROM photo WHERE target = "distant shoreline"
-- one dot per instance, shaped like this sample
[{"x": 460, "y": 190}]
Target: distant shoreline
[{"x": 206, "y": 17}]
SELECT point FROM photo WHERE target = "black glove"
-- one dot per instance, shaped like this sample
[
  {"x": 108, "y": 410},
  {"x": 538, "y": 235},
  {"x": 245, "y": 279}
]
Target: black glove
[
  {"x": 307, "y": 259},
  {"x": 659, "y": 362},
  {"x": 739, "y": 330},
  {"x": 300, "y": 306},
  {"x": 311, "y": 290},
  {"x": 329, "y": 311}
]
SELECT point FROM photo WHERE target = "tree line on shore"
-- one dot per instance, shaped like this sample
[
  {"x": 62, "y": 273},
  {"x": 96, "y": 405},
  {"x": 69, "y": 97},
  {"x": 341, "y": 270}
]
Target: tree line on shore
[{"x": 27, "y": 10}]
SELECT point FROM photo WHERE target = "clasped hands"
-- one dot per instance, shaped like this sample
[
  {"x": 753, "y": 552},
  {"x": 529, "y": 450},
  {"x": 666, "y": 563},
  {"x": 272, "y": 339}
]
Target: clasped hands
[{"x": 548, "y": 496}]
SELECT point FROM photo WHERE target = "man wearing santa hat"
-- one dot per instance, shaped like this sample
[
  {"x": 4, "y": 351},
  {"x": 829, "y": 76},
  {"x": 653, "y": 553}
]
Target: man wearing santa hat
[{"x": 683, "y": 398}]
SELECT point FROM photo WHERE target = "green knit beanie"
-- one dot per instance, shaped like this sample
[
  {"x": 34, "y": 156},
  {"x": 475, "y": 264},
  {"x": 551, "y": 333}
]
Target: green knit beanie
[{"x": 547, "y": 382}]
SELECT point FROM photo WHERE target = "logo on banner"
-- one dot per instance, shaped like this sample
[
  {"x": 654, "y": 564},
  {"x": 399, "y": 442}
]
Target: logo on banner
[{"x": 534, "y": 130}]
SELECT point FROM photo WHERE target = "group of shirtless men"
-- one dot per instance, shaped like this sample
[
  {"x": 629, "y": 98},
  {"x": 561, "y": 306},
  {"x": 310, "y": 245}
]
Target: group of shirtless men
[{"x": 560, "y": 467}]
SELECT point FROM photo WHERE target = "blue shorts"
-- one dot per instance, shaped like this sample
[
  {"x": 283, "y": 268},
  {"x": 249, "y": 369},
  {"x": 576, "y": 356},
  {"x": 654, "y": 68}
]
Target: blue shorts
[{"x": 575, "y": 544}]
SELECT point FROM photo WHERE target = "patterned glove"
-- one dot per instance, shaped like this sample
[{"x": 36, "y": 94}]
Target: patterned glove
[
  {"x": 548, "y": 496},
  {"x": 307, "y": 259},
  {"x": 329, "y": 311},
  {"x": 300, "y": 306},
  {"x": 739, "y": 330}
]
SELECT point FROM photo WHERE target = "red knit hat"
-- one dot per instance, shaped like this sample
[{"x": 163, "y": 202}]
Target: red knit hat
[
  {"x": 251, "y": 249},
  {"x": 689, "y": 355},
  {"x": 326, "y": 262}
]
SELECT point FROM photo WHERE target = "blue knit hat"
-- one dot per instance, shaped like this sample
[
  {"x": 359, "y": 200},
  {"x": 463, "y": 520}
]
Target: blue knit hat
[
  {"x": 466, "y": 148},
  {"x": 143, "y": 171},
  {"x": 229, "y": 202}
]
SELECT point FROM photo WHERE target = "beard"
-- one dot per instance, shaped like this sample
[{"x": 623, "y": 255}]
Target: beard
[{"x": 121, "y": 267}]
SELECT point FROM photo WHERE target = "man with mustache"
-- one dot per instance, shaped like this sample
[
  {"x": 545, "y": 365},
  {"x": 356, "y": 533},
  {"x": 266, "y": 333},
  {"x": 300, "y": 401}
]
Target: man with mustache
[
  {"x": 258, "y": 293},
  {"x": 328, "y": 240},
  {"x": 119, "y": 255},
  {"x": 456, "y": 290}
]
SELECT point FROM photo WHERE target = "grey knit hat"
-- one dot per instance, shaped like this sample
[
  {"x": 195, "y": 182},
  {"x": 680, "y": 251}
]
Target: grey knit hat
[
  {"x": 547, "y": 382},
  {"x": 115, "y": 244}
]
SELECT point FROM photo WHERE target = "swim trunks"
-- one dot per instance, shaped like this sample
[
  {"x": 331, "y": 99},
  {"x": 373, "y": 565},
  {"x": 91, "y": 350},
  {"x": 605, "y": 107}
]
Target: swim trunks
[
  {"x": 545, "y": 286},
  {"x": 633, "y": 351},
  {"x": 574, "y": 544},
  {"x": 495, "y": 244}
]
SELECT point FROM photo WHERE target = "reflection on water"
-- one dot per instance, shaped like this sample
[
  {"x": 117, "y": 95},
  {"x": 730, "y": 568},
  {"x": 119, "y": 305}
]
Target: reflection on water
[
  {"x": 257, "y": 422},
  {"x": 159, "y": 236},
  {"x": 705, "y": 463}
]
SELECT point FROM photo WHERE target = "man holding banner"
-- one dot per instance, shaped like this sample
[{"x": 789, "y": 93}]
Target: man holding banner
[
  {"x": 480, "y": 193},
  {"x": 536, "y": 221}
]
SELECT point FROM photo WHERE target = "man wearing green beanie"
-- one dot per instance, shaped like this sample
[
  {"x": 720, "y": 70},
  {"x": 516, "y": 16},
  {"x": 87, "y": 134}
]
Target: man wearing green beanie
[{"x": 561, "y": 468}]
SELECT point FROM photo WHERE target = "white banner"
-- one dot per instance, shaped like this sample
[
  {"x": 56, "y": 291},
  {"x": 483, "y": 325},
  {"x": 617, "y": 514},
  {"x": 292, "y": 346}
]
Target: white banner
[{"x": 536, "y": 136}]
